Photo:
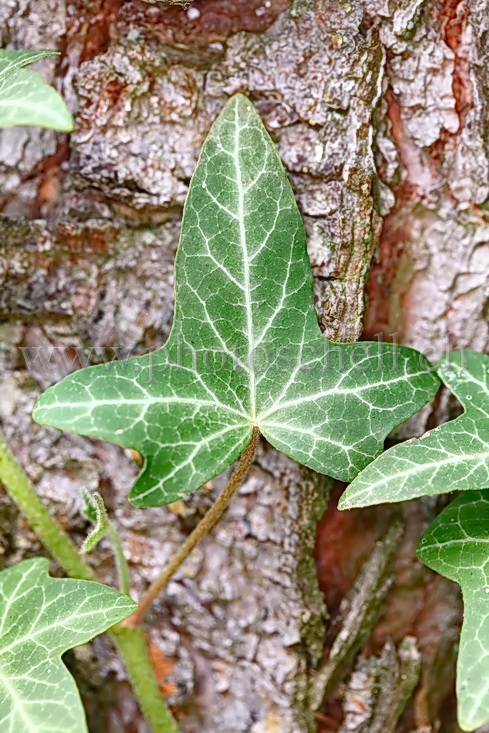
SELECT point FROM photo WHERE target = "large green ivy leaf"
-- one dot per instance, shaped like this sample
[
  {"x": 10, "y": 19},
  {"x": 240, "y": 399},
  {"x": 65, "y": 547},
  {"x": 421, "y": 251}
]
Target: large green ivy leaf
[
  {"x": 246, "y": 348},
  {"x": 40, "y": 618},
  {"x": 451, "y": 457},
  {"x": 26, "y": 98},
  {"x": 457, "y": 546}
]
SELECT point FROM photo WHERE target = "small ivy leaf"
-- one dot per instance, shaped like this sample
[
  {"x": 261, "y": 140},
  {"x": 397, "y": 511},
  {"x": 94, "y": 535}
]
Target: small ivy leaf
[
  {"x": 26, "y": 98},
  {"x": 40, "y": 619},
  {"x": 452, "y": 457},
  {"x": 456, "y": 546},
  {"x": 94, "y": 509},
  {"x": 245, "y": 348}
]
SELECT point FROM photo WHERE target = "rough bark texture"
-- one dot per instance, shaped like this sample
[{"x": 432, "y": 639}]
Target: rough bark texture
[{"x": 378, "y": 110}]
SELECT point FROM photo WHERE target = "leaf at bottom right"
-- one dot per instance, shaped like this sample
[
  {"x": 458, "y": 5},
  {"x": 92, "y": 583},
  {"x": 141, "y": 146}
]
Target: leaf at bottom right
[{"x": 456, "y": 545}]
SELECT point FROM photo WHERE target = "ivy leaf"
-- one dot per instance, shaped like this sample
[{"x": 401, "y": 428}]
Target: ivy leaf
[
  {"x": 40, "y": 618},
  {"x": 245, "y": 348},
  {"x": 26, "y": 98},
  {"x": 451, "y": 457},
  {"x": 456, "y": 546}
]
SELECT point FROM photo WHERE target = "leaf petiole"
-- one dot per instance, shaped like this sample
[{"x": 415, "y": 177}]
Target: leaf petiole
[{"x": 204, "y": 527}]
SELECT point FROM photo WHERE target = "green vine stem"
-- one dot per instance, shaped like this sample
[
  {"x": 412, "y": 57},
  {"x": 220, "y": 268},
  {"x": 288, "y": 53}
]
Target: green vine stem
[
  {"x": 132, "y": 647},
  {"x": 204, "y": 527},
  {"x": 130, "y": 642},
  {"x": 22, "y": 492}
]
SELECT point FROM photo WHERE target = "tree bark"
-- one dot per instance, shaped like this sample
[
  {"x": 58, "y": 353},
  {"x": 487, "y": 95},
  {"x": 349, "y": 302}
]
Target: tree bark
[{"x": 379, "y": 115}]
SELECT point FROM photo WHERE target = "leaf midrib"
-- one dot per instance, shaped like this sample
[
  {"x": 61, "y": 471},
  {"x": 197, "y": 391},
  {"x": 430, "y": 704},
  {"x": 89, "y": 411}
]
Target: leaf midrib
[
  {"x": 277, "y": 406},
  {"x": 33, "y": 635},
  {"x": 460, "y": 541},
  {"x": 152, "y": 401},
  {"x": 254, "y": 420},
  {"x": 246, "y": 266},
  {"x": 419, "y": 468}
]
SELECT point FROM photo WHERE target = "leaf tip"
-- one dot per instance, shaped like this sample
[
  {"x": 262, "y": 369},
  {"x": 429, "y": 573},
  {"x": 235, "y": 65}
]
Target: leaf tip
[
  {"x": 43, "y": 407},
  {"x": 348, "y": 501},
  {"x": 38, "y": 411},
  {"x": 471, "y": 722},
  {"x": 69, "y": 125},
  {"x": 342, "y": 505},
  {"x": 40, "y": 563},
  {"x": 422, "y": 551},
  {"x": 239, "y": 99}
]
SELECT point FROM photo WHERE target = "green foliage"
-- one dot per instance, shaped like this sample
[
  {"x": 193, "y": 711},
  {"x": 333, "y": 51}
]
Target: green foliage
[
  {"x": 246, "y": 348},
  {"x": 454, "y": 456},
  {"x": 457, "y": 546},
  {"x": 40, "y": 618},
  {"x": 451, "y": 457},
  {"x": 94, "y": 510},
  {"x": 26, "y": 98}
]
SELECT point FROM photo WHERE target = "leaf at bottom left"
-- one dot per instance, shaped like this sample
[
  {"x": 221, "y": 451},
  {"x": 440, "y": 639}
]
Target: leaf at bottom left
[{"x": 41, "y": 618}]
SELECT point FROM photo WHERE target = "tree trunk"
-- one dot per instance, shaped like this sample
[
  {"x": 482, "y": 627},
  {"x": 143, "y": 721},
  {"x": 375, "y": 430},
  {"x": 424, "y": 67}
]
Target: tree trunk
[{"x": 378, "y": 111}]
